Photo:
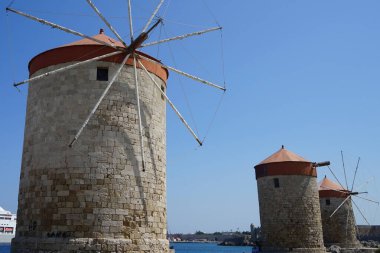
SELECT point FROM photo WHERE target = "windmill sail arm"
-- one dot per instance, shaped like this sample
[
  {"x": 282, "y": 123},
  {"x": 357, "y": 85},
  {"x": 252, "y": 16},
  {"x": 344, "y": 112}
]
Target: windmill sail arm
[
  {"x": 106, "y": 22},
  {"x": 45, "y": 22},
  {"x": 172, "y": 105},
  {"x": 130, "y": 20},
  {"x": 152, "y": 16},
  {"x": 332, "y": 172},
  {"x": 376, "y": 202},
  {"x": 65, "y": 68},
  {"x": 336, "y": 210},
  {"x": 360, "y": 211},
  {"x": 344, "y": 169},
  {"x": 99, "y": 101},
  {"x": 181, "y": 37},
  {"x": 139, "y": 113},
  {"x": 356, "y": 170},
  {"x": 185, "y": 74}
]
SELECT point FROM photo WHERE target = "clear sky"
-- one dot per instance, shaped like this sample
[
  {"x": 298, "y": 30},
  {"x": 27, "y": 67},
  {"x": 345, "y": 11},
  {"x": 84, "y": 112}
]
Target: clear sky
[{"x": 300, "y": 73}]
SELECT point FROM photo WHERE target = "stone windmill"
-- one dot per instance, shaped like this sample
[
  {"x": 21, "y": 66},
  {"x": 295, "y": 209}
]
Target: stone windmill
[
  {"x": 289, "y": 204},
  {"x": 93, "y": 176},
  {"x": 338, "y": 218},
  {"x": 339, "y": 229}
]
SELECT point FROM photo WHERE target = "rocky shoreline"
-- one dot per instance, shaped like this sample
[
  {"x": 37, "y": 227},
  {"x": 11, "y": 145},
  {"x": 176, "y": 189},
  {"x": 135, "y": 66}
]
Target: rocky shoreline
[{"x": 368, "y": 246}]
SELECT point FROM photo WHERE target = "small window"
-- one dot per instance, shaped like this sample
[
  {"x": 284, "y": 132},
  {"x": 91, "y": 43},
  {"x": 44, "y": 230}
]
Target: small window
[
  {"x": 328, "y": 202},
  {"x": 276, "y": 183},
  {"x": 102, "y": 74},
  {"x": 163, "y": 89}
]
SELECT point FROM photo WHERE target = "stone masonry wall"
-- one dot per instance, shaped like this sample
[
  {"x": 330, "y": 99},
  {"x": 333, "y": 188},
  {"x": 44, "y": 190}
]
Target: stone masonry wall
[
  {"x": 92, "y": 197},
  {"x": 340, "y": 229},
  {"x": 290, "y": 214}
]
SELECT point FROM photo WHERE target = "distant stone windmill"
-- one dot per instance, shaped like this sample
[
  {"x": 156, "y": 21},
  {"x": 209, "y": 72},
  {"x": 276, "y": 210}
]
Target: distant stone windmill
[
  {"x": 93, "y": 174},
  {"x": 289, "y": 204},
  {"x": 338, "y": 219}
]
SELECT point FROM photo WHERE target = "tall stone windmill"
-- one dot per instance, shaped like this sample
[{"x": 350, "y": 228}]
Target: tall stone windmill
[{"x": 93, "y": 176}]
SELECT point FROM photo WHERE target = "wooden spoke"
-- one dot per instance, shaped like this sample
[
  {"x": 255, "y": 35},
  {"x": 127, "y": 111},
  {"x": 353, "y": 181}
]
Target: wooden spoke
[
  {"x": 152, "y": 16},
  {"x": 185, "y": 74},
  {"x": 172, "y": 105},
  {"x": 106, "y": 22},
  {"x": 99, "y": 101},
  {"x": 45, "y": 22},
  {"x": 336, "y": 210},
  {"x": 181, "y": 37},
  {"x": 139, "y": 113},
  {"x": 66, "y": 68}
]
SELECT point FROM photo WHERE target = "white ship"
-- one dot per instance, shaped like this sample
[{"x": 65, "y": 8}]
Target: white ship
[{"x": 7, "y": 226}]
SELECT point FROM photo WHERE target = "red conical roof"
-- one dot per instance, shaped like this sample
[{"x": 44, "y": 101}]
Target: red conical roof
[
  {"x": 284, "y": 162},
  {"x": 327, "y": 184},
  {"x": 329, "y": 189},
  {"x": 101, "y": 36},
  {"x": 86, "y": 49},
  {"x": 283, "y": 155}
]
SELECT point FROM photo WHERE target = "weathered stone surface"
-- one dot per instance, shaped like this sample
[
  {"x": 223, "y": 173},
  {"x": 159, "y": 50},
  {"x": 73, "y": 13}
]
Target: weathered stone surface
[
  {"x": 340, "y": 229},
  {"x": 94, "y": 196},
  {"x": 290, "y": 214},
  {"x": 334, "y": 249}
]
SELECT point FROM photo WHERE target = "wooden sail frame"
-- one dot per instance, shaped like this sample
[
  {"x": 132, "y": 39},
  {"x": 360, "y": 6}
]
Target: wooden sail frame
[{"x": 350, "y": 192}]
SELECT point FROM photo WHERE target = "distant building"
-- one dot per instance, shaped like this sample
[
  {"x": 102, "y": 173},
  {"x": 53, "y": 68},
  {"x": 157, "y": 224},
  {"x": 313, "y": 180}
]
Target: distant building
[{"x": 255, "y": 233}]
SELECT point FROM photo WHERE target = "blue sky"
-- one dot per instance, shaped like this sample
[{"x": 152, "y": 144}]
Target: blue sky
[{"x": 304, "y": 74}]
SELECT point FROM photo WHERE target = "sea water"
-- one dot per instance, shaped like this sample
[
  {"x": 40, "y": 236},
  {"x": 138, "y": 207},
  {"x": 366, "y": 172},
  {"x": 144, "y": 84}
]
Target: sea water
[
  {"x": 209, "y": 248},
  {"x": 5, "y": 248},
  {"x": 183, "y": 248}
]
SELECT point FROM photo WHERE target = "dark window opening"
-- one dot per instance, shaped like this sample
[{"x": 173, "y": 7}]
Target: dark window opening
[
  {"x": 276, "y": 183},
  {"x": 163, "y": 89},
  {"x": 328, "y": 202},
  {"x": 102, "y": 74}
]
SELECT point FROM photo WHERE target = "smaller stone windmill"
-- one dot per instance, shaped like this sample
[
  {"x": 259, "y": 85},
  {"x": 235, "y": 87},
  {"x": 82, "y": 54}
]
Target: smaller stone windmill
[
  {"x": 338, "y": 219},
  {"x": 288, "y": 198},
  {"x": 339, "y": 229}
]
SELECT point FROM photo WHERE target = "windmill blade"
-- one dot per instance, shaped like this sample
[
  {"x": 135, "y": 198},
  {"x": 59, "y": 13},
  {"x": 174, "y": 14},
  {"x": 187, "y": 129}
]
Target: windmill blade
[
  {"x": 106, "y": 22},
  {"x": 99, "y": 101},
  {"x": 370, "y": 200},
  {"x": 335, "y": 176},
  {"x": 139, "y": 112},
  {"x": 340, "y": 206},
  {"x": 130, "y": 20},
  {"x": 152, "y": 16},
  {"x": 181, "y": 37},
  {"x": 344, "y": 169},
  {"x": 45, "y": 22},
  {"x": 184, "y": 74},
  {"x": 66, "y": 68},
  {"x": 356, "y": 170},
  {"x": 361, "y": 213},
  {"x": 172, "y": 105}
]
